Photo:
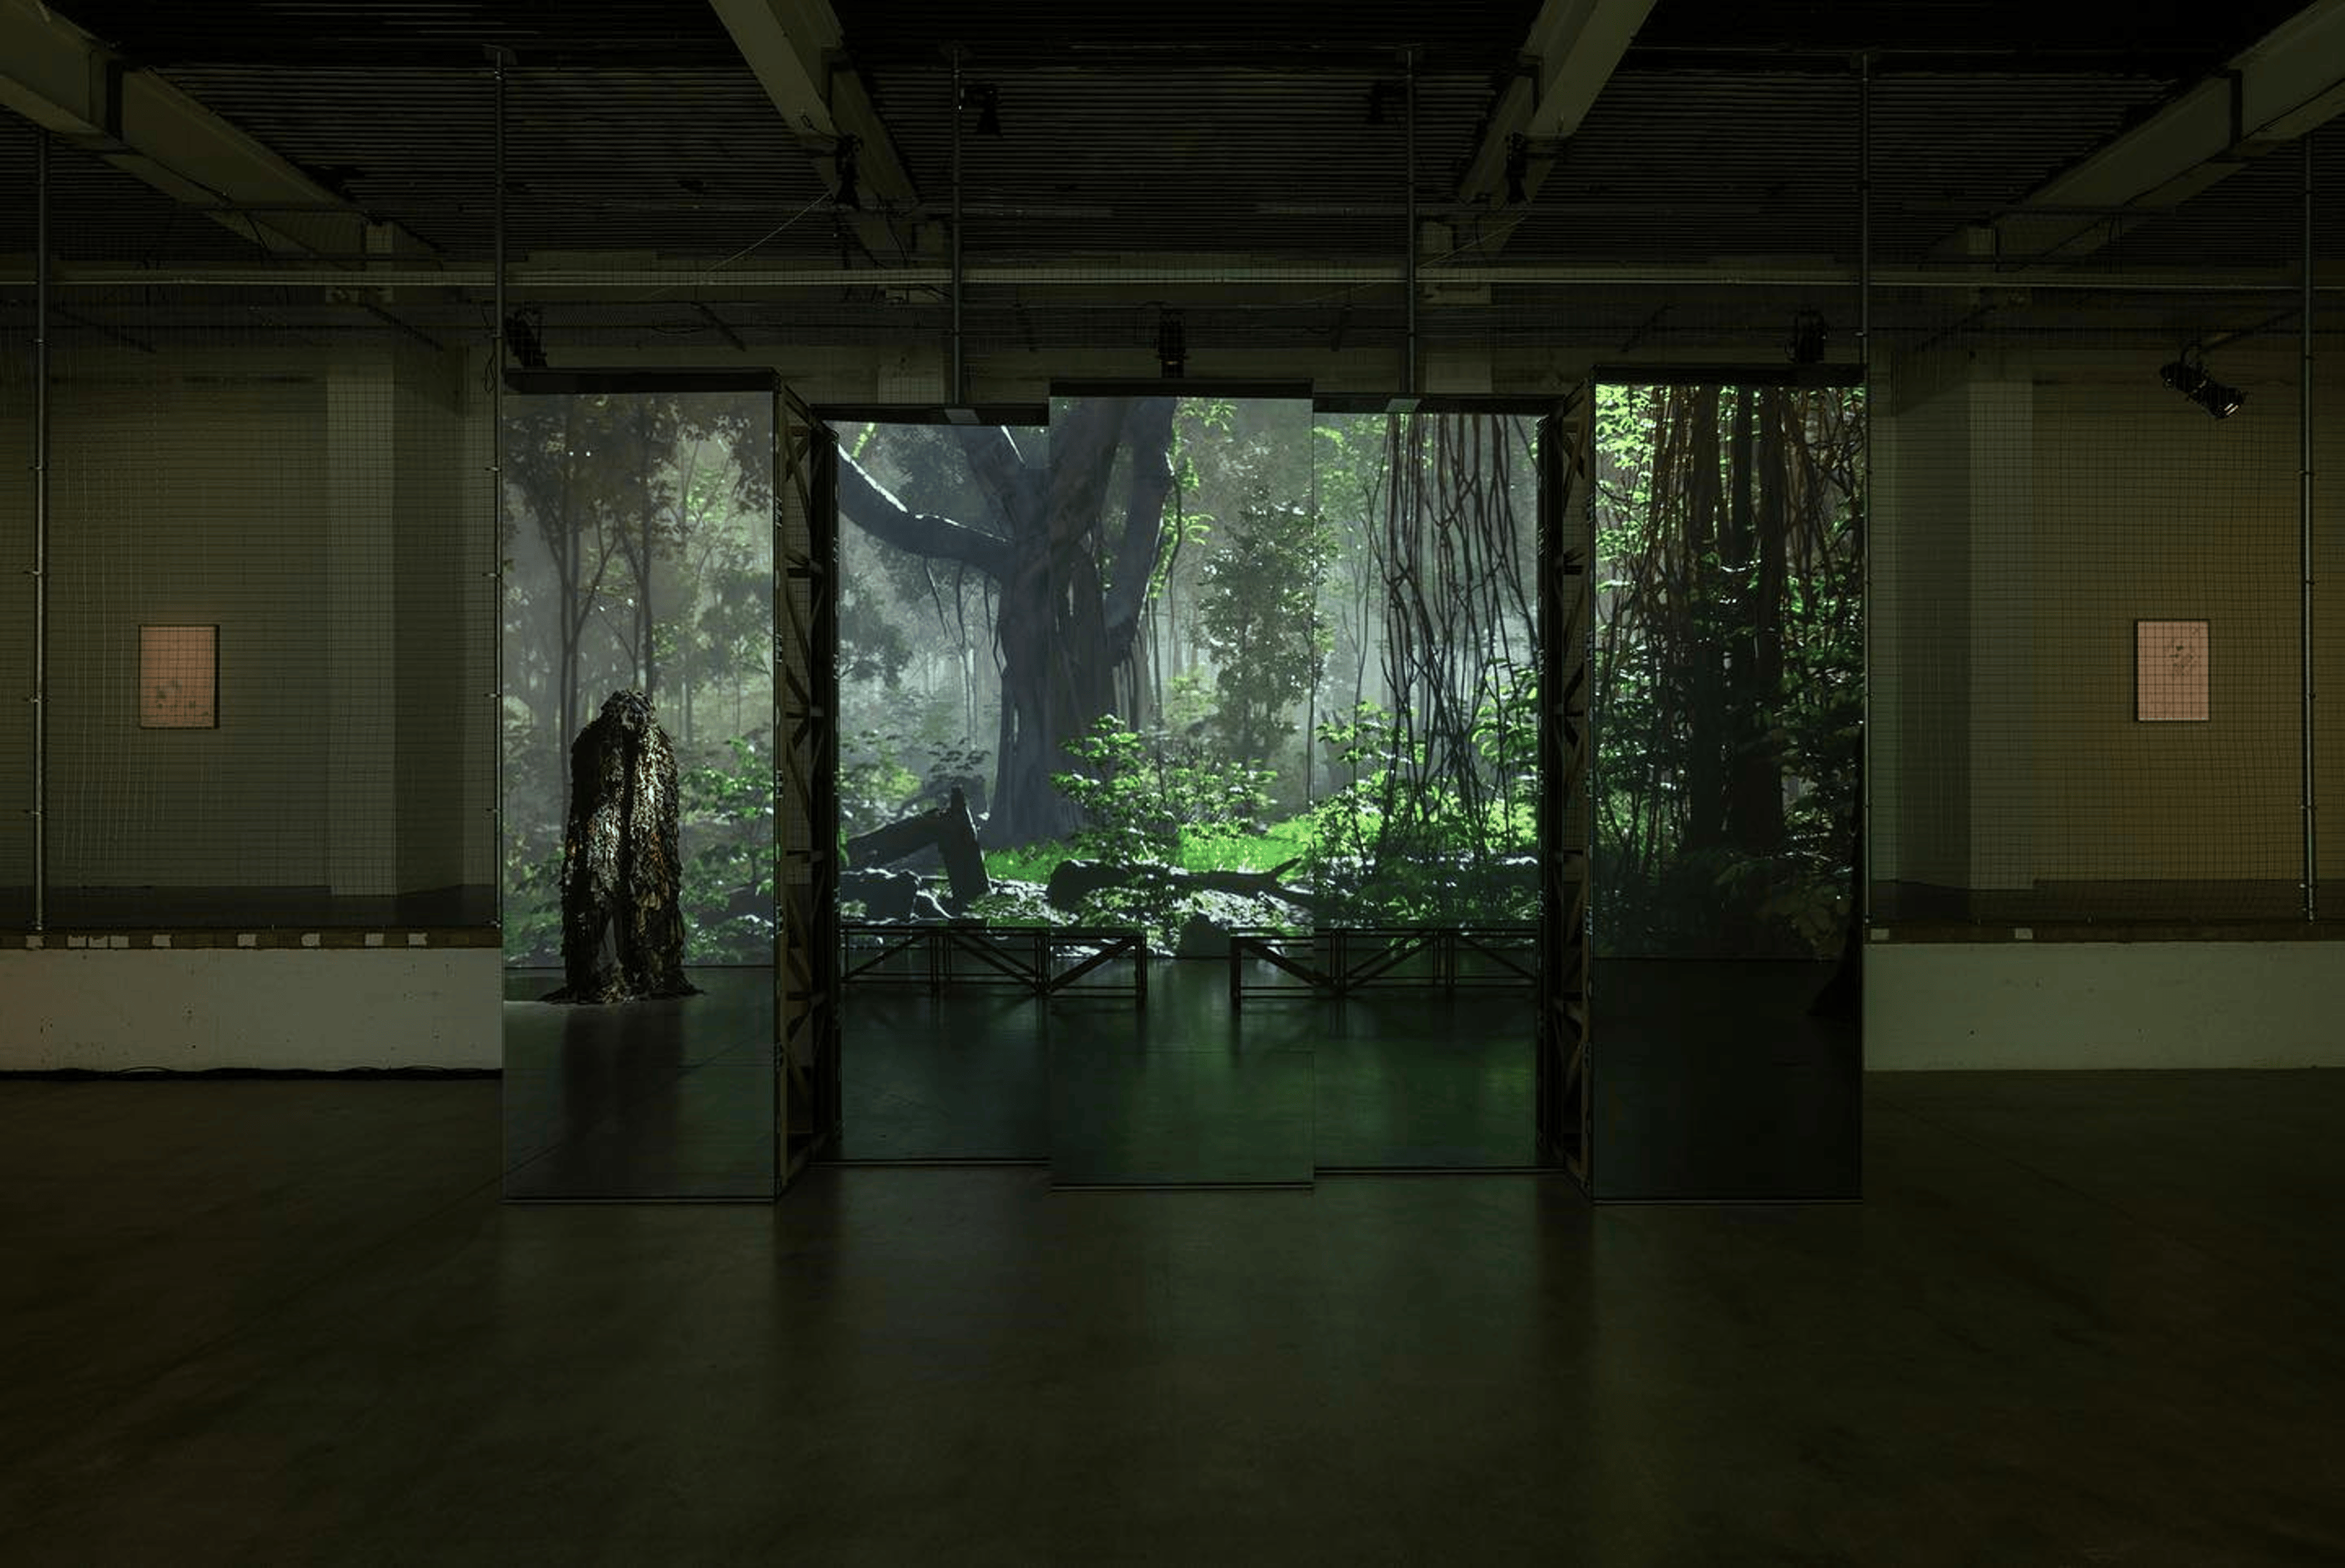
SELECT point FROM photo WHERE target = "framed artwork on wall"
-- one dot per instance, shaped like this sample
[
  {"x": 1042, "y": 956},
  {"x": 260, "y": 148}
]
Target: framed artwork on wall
[
  {"x": 178, "y": 677},
  {"x": 2169, "y": 672}
]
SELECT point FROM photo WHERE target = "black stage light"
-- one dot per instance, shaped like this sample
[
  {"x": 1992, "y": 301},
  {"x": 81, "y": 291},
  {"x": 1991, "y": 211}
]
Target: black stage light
[
  {"x": 2188, "y": 376},
  {"x": 1519, "y": 164},
  {"x": 2218, "y": 399},
  {"x": 1806, "y": 345},
  {"x": 521, "y": 338},
  {"x": 1171, "y": 345},
  {"x": 986, "y": 99}
]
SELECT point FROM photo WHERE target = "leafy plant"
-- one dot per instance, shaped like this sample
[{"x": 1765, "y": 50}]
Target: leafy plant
[
  {"x": 1144, "y": 796},
  {"x": 1261, "y": 618},
  {"x": 728, "y": 857}
]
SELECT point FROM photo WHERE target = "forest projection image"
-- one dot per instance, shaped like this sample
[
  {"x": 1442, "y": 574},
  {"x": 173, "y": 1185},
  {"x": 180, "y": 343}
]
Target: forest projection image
[
  {"x": 638, "y": 557},
  {"x": 1727, "y": 676},
  {"x": 1193, "y": 663}
]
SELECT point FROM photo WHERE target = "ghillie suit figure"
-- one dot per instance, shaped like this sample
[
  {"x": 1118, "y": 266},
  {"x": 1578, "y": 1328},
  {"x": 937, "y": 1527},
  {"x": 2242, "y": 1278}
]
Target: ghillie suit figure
[{"x": 622, "y": 924}]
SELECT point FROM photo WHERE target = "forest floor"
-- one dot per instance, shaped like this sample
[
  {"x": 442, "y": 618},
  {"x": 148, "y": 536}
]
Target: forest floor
[{"x": 1279, "y": 843}]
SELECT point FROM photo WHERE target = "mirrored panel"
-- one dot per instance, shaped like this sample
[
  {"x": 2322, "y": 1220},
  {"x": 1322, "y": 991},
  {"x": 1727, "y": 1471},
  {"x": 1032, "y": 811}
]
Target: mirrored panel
[
  {"x": 1727, "y": 710},
  {"x": 638, "y": 855},
  {"x": 1225, "y": 680}
]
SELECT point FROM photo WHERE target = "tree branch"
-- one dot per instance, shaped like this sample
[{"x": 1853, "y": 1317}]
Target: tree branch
[
  {"x": 1147, "y": 431},
  {"x": 1000, "y": 469},
  {"x": 866, "y": 503}
]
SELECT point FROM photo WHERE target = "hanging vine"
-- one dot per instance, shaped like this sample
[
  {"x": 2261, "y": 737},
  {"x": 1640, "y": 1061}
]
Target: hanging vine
[
  {"x": 1728, "y": 668},
  {"x": 1458, "y": 659}
]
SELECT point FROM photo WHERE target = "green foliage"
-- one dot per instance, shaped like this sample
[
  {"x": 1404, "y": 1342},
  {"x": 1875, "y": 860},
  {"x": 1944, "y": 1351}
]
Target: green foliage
[
  {"x": 1143, "y": 797},
  {"x": 728, "y": 867},
  {"x": 1261, "y": 618},
  {"x": 1727, "y": 668},
  {"x": 884, "y": 773},
  {"x": 1188, "y": 701},
  {"x": 726, "y": 817},
  {"x": 1386, "y": 848},
  {"x": 1278, "y": 843}
]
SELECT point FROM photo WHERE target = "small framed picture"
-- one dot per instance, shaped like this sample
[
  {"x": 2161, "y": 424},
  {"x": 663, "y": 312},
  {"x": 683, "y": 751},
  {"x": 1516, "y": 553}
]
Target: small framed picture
[
  {"x": 2169, "y": 672},
  {"x": 178, "y": 677}
]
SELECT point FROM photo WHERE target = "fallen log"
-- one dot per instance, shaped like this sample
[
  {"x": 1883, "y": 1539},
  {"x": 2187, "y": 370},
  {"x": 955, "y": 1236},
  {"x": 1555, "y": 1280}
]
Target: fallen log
[{"x": 949, "y": 829}]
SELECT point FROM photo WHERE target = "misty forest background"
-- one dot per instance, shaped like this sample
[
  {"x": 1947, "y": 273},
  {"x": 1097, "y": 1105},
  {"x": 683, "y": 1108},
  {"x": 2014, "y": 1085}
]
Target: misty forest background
[{"x": 1251, "y": 664}]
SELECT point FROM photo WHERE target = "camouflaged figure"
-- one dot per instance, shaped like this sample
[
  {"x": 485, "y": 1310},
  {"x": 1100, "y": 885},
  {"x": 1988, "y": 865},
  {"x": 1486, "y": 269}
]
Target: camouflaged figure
[{"x": 621, "y": 873}]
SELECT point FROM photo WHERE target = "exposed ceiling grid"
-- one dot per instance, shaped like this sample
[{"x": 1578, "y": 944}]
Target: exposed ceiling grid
[{"x": 1218, "y": 134}]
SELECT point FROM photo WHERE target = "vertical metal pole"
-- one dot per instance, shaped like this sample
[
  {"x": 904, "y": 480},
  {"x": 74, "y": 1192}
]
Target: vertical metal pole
[
  {"x": 2304, "y": 545},
  {"x": 1408, "y": 267},
  {"x": 1861, "y": 909},
  {"x": 1865, "y": 225},
  {"x": 960, "y": 378},
  {"x": 497, "y": 488},
  {"x": 41, "y": 532}
]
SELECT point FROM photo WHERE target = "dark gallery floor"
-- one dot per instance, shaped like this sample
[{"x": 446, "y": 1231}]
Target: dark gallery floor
[
  {"x": 2078, "y": 1319},
  {"x": 1715, "y": 1081},
  {"x": 674, "y": 1099}
]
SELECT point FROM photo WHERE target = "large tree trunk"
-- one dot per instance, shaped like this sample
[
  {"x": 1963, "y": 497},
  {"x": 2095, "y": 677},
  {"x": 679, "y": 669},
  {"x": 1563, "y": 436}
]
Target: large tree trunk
[{"x": 1071, "y": 595}]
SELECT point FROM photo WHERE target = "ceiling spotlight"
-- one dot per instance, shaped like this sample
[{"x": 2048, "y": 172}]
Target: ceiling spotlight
[
  {"x": 1171, "y": 345},
  {"x": 522, "y": 337},
  {"x": 2188, "y": 376},
  {"x": 1379, "y": 93},
  {"x": 985, "y": 98},
  {"x": 1519, "y": 164},
  {"x": 1806, "y": 344}
]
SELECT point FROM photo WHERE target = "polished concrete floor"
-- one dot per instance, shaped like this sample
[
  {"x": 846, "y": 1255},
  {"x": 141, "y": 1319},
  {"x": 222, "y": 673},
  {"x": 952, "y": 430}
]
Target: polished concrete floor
[
  {"x": 666, "y": 1098},
  {"x": 675, "y": 1098},
  {"x": 2078, "y": 1320},
  {"x": 1713, "y": 1081}
]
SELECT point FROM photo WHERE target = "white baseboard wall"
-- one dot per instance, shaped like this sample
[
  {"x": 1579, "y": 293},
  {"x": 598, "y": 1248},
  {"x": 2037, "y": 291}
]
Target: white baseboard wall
[
  {"x": 1934, "y": 1006},
  {"x": 187, "y": 1010}
]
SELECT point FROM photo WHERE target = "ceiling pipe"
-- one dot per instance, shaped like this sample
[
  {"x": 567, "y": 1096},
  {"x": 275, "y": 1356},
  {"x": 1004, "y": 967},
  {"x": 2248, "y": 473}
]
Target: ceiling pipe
[
  {"x": 959, "y": 398},
  {"x": 2304, "y": 539},
  {"x": 498, "y": 59},
  {"x": 776, "y": 280},
  {"x": 41, "y": 530},
  {"x": 1408, "y": 275}
]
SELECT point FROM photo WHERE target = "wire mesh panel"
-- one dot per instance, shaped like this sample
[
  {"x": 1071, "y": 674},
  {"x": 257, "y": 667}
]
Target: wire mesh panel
[
  {"x": 19, "y": 713},
  {"x": 2088, "y": 657},
  {"x": 2328, "y": 459},
  {"x": 295, "y": 492}
]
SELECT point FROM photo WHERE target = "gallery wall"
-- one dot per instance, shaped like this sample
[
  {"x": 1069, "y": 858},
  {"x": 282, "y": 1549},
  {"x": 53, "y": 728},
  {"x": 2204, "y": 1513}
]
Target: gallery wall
[
  {"x": 325, "y": 510},
  {"x": 2034, "y": 502},
  {"x": 370, "y": 591}
]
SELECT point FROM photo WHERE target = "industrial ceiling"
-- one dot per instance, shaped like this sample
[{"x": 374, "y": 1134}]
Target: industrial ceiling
[{"x": 748, "y": 170}]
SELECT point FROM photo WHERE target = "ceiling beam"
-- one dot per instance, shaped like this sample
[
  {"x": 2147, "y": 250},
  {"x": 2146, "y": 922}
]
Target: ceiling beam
[
  {"x": 2285, "y": 85},
  {"x": 1572, "y": 51},
  {"x": 62, "y": 79},
  {"x": 797, "y": 51}
]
